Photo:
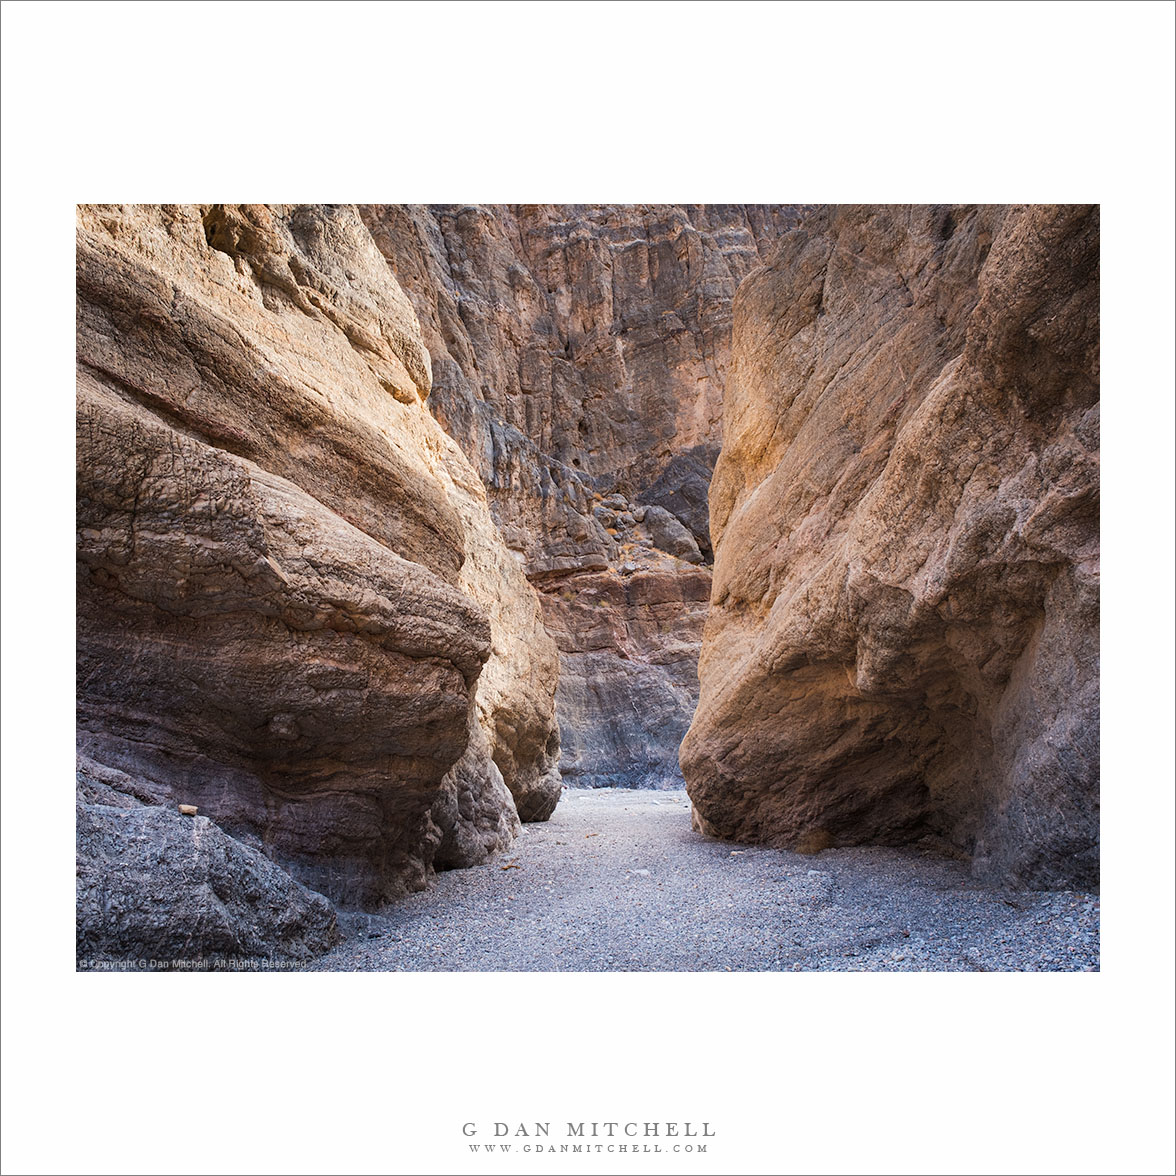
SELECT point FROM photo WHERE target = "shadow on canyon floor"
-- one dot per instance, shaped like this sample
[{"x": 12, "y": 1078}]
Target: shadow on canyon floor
[{"x": 618, "y": 881}]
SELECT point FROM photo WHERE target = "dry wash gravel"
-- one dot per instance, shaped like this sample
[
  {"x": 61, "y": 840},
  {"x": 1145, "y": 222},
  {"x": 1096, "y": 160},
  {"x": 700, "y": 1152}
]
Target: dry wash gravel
[{"x": 617, "y": 881}]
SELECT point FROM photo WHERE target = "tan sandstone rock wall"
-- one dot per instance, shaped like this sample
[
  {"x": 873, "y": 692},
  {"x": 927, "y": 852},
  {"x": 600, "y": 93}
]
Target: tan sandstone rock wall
[
  {"x": 904, "y": 628},
  {"x": 579, "y": 357},
  {"x": 294, "y": 609}
]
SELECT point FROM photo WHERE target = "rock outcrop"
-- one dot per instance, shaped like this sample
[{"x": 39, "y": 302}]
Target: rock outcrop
[
  {"x": 579, "y": 356},
  {"x": 158, "y": 890},
  {"x": 903, "y": 637},
  {"x": 294, "y": 609}
]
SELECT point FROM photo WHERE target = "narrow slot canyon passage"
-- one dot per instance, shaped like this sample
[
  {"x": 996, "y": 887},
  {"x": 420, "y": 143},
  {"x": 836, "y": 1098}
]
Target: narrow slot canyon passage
[
  {"x": 616, "y": 880},
  {"x": 588, "y": 587},
  {"x": 574, "y": 673}
]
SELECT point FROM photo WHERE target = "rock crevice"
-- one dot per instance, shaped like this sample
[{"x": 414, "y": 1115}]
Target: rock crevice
[{"x": 579, "y": 355}]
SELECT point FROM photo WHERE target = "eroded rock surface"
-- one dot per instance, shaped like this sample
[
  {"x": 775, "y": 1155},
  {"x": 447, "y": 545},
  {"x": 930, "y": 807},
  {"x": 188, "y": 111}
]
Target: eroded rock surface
[
  {"x": 904, "y": 631},
  {"x": 162, "y": 890},
  {"x": 292, "y": 599},
  {"x": 579, "y": 356},
  {"x": 620, "y": 723}
]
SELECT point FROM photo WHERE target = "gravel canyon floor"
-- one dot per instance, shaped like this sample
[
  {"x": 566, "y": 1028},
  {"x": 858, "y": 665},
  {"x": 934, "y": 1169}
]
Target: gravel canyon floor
[{"x": 618, "y": 881}]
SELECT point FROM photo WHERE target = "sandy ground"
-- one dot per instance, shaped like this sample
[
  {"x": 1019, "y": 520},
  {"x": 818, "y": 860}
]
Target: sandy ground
[{"x": 617, "y": 881}]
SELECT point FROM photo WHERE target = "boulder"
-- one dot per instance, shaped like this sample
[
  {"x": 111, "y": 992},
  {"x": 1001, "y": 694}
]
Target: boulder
[
  {"x": 160, "y": 891},
  {"x": 670, "y": 536}
]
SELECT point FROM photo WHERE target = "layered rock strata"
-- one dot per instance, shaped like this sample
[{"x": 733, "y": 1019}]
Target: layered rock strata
[
  {"x": 294, "y": 609},
  {"x": 903, "y": 637},
  {"x": 579, "y": 356}
]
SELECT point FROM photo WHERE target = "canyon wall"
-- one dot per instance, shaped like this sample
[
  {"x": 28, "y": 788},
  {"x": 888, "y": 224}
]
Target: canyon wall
[
  {"x": 903, "y": 638},
  {"x": 579, "y": 357},
  {"x": 294, "y": 609},
  {"x": 347, "y": 478}
]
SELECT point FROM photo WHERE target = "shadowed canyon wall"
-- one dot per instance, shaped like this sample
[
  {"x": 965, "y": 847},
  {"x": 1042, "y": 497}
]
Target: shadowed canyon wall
[
  {"x": 294, "y": 609},
  {"x": 579, "y": 357},
  {"x": 903, "y": 638}
]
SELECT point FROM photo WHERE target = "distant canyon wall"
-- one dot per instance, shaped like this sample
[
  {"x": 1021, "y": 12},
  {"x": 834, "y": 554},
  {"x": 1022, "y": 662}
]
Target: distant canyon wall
[
  {"x": 579, "y": 357},
  {"x": 294, "y": 609},
  {"x": 904, "y": 632}
]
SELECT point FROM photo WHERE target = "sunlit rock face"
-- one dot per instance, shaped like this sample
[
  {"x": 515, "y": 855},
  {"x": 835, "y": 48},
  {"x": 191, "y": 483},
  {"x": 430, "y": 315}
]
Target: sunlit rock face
[
  {"x": 903, "y": 637},
  {"x": 579, "y": 357},
  {"x": 294, "y": 609}
]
